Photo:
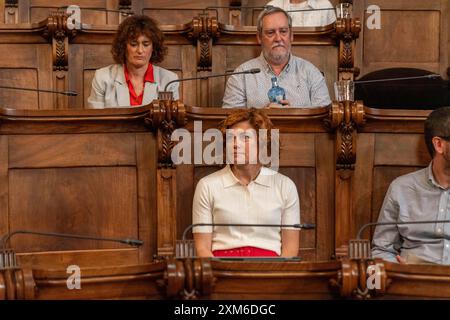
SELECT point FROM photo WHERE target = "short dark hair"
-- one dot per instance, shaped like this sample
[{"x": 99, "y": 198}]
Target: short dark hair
[
  {"x": 437, "y": 125},
  {"x": 130, "y": 29}
]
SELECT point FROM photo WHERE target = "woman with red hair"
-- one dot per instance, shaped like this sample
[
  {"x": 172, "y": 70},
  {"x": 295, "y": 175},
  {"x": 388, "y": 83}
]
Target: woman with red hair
[{"x": 246, "y": 192}]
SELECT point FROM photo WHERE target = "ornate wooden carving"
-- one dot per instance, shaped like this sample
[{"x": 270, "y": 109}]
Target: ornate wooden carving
[
  {"x": 58, "y": 32},
  {"x": 352, "y": 280},
  {"x": 174, "y": 278},
  {"x": 17, "y": 284},
  {"x": 194, "y": 278},
  {"x": 164, "y": 117},
  {"x": 347, "y": 31},
  {"x": 346, "y": 117},
  {"x": 115, "y": 282},
  {"x": 11, "y": 11},
  {"x": 205, "y": 30},
  {"x": 189, "y": 279}
]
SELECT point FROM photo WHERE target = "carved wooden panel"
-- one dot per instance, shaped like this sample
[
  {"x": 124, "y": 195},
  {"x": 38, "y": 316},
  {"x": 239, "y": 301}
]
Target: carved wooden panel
[
  {"x": 63, "y": 187},
  {"x": 19, "y": 99},
  {"x": 29, "y": 67},
  {"x": 28, "y": 152},
  {"x": 297, "y": 154},
  {"x": 387, "y": 46},
  {"x": 409, "y": 150},
  {"x": 413, "y": 34},
  {"x": 78, "y": 179},
  {"x": 72, "y": 200}
]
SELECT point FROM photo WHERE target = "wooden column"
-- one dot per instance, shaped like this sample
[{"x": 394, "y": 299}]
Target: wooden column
[
  {"x": 346, "y": 117},
  {"x": 58, "y": 33},
  {"x": 167, "y": 206},
  {"x": 165, "y": 117}
]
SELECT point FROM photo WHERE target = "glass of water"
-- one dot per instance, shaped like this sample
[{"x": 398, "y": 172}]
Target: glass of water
[{"x": 344, "y": 90}]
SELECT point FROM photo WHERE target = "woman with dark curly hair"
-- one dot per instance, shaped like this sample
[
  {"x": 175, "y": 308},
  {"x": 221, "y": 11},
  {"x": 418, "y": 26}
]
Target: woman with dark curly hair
[{"x": 134, "y": 80}]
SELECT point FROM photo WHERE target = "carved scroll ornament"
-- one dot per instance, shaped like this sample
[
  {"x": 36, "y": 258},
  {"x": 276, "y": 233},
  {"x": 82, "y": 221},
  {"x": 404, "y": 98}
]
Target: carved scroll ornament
[
  {"x": 205, "y": 30},
  {"x": 164, "y": 117},
  {"x": 58, "y": 32},
  {"x": 347, "y": 31},
  {"x": 346, "y": 117}
]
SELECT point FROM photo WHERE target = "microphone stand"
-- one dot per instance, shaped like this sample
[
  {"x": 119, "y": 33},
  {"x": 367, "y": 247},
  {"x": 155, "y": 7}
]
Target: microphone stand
[
  {"x": 8, "y": 259},
  {"x": 360, "y": 248},
  {"x": 168, "y": 95},
  {"x": 66, "y": 93},
  {"x": 297, "y": 226},
  {"x": 185, "y": 249}
]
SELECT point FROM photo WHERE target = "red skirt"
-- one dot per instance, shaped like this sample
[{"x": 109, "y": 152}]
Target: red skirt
[{"x": 245, "y": 252}]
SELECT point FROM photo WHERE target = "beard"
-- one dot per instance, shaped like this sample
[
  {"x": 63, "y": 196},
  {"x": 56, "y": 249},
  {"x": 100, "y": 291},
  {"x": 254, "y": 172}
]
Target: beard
[{"x": 275, "y": 57}]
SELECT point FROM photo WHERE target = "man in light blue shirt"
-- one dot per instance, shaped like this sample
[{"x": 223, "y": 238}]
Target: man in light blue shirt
[
  {"x": 303, "y": 83},
  {"x": 418, "y": 196}
]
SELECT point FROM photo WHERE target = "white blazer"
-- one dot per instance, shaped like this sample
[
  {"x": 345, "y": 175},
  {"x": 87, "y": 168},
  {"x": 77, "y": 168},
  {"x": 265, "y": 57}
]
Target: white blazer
[{"x": 110, "y": 89}]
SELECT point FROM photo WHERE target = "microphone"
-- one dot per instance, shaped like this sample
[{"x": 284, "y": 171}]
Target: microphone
[
  {"x": 8, "y": 257},
  {"x": 233, "y": 7},
  {"x": 297, "y": 226},
  {"x": 360, "y": 248},
  {"x": 358, "y": 237},
  {"x": 238, "y": 7},
  {"x": 428, "y": 76},
  {"x": 263, "y": 7},
  {"x": 8, "y": 236},
  {"x": 213, "y": 8},
  {"x": 307, "y": 10},
  {"x": 126, "y": 12},
  {"x": 66, "y": 93},
  {"x": 184, "y": 248},
  {"x": 251, "y": 71}
]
